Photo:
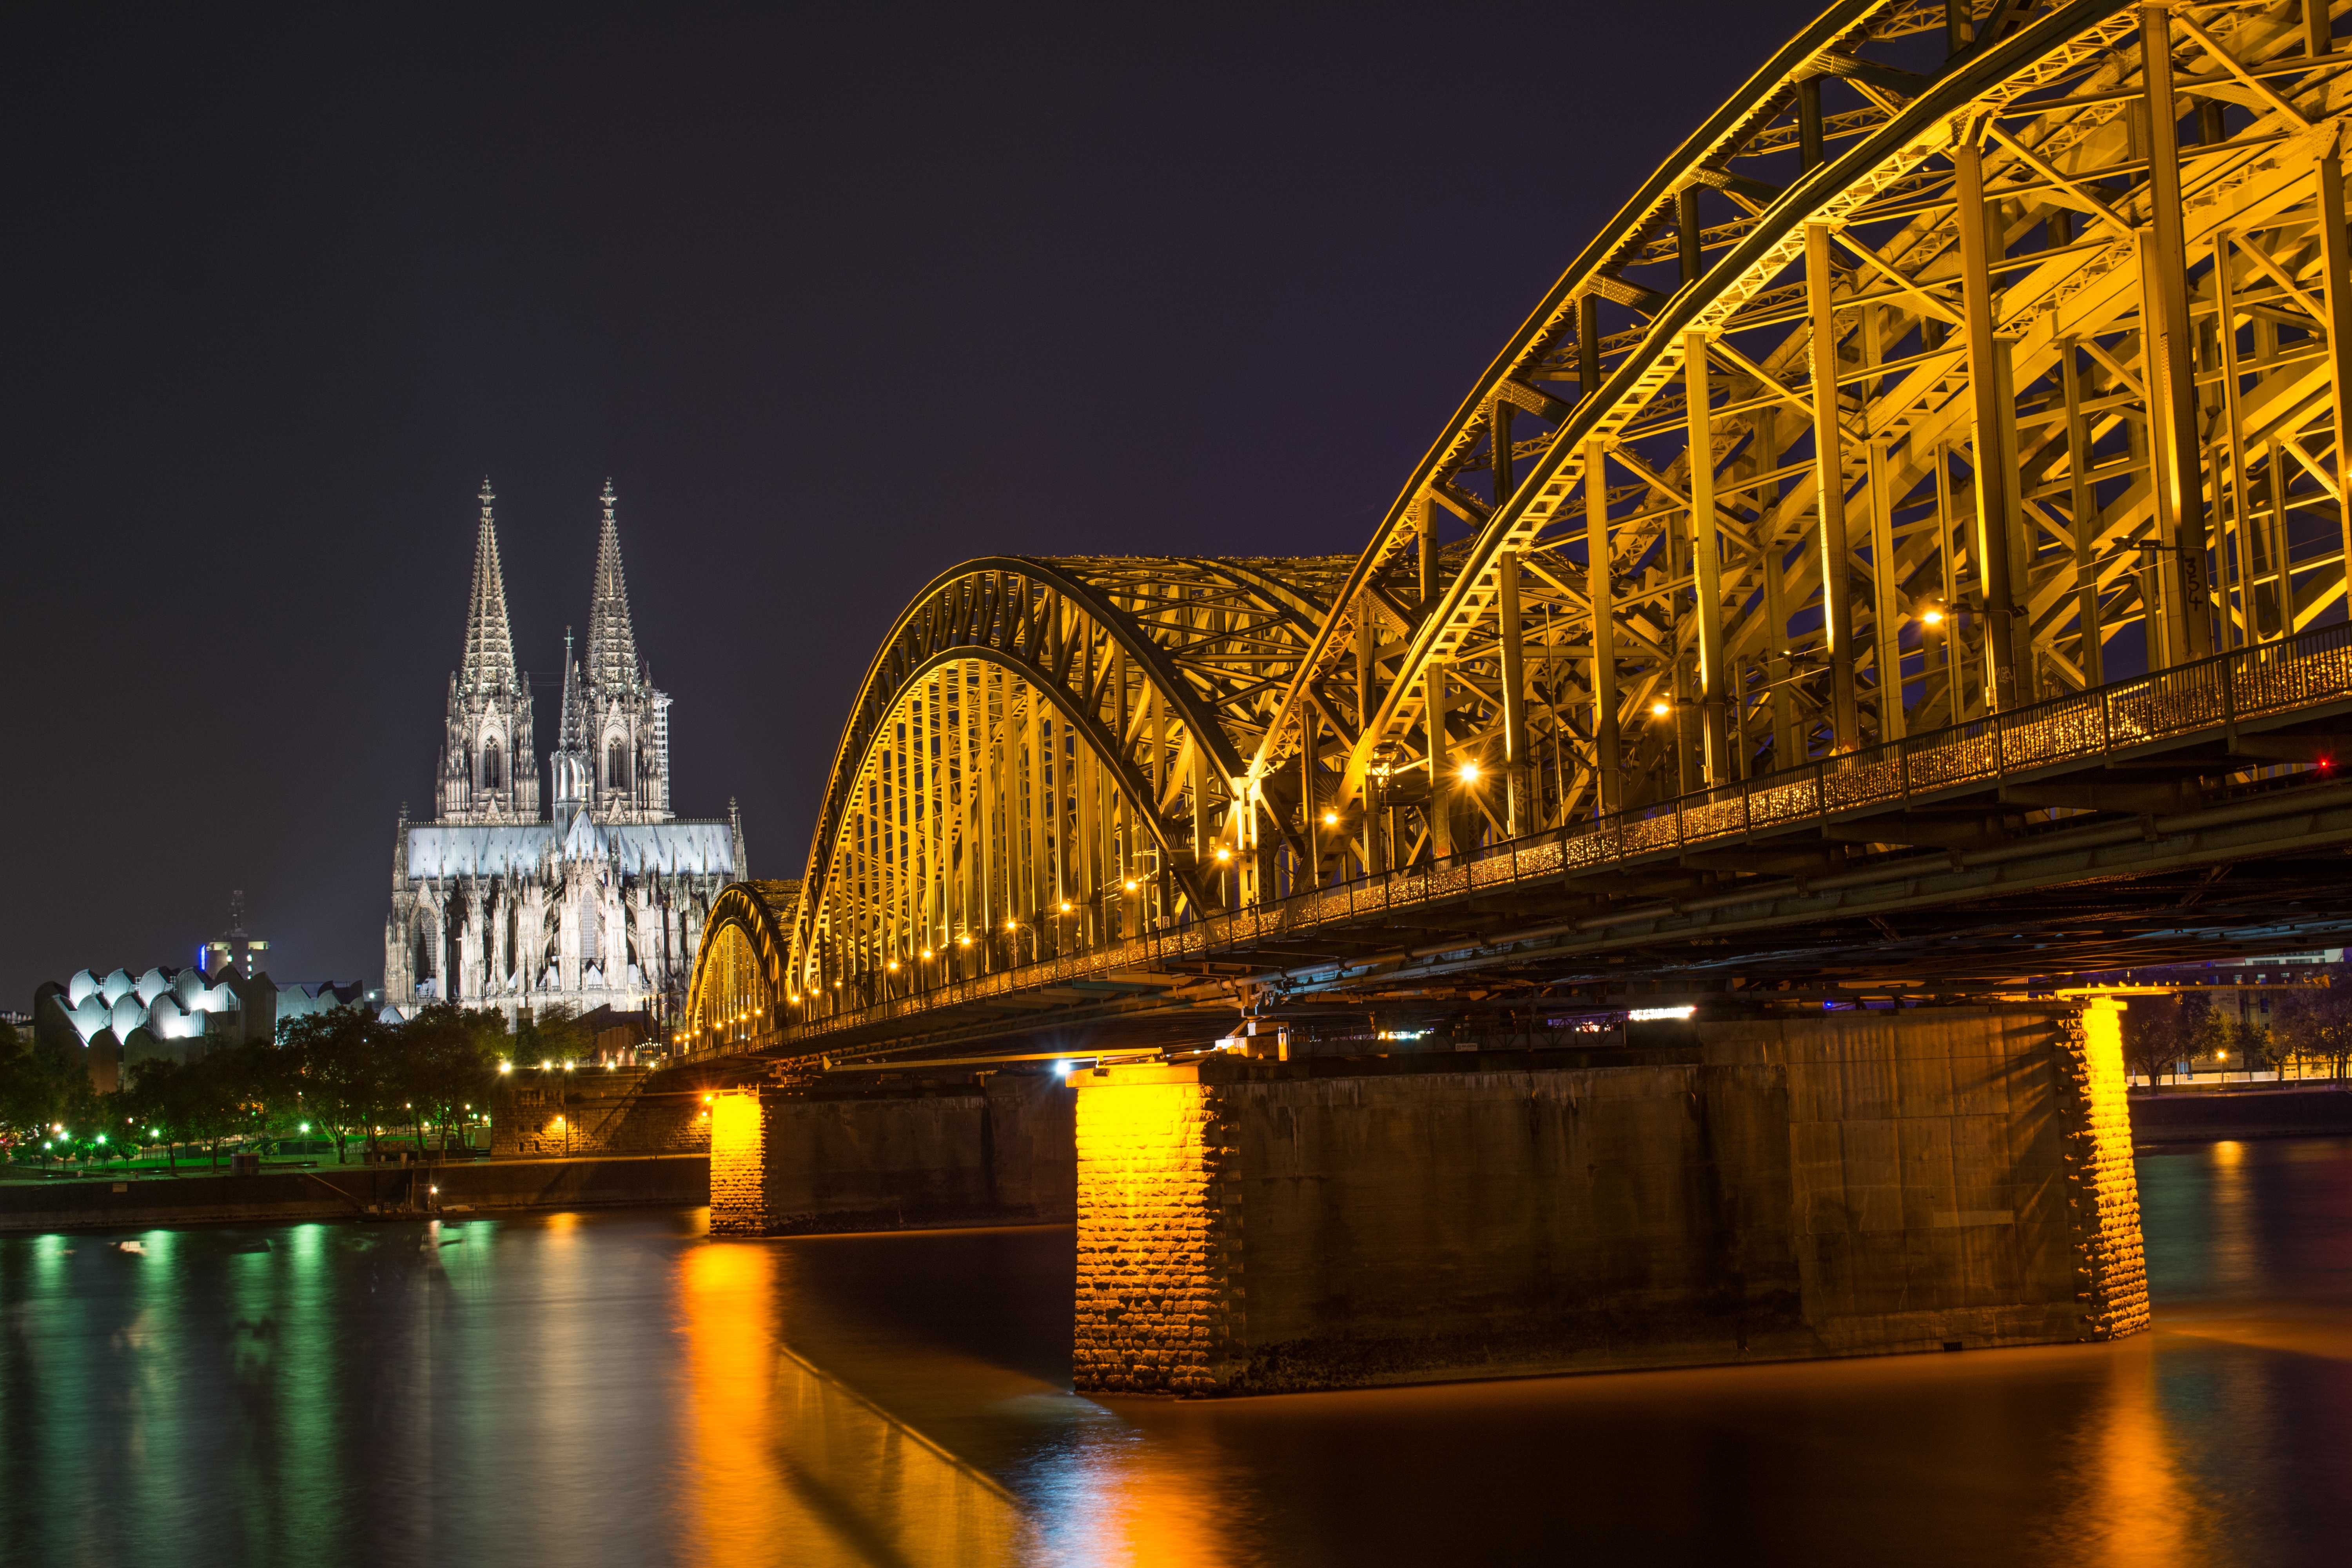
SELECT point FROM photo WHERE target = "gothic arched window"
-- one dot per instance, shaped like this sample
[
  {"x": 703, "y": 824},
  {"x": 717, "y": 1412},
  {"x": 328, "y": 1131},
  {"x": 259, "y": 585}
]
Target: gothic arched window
[
  {"x": 616, "y": 765},
  {"x": 493, "y": 772}
]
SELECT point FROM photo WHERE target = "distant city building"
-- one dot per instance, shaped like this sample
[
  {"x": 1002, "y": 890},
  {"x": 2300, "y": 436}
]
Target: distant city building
[
  {"x": 232, "y": 948},
  {"x": 597, "y": 900},
  {"x": 115, "y": 1020}
]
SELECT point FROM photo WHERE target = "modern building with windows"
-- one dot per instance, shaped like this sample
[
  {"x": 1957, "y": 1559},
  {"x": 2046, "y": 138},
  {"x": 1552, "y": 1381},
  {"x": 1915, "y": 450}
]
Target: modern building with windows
[{"x": 594, "y": 899}]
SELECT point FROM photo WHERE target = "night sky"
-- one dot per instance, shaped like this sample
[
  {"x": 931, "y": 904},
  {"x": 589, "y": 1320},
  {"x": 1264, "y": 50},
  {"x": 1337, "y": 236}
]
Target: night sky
[{"x": 837, "y": 297}]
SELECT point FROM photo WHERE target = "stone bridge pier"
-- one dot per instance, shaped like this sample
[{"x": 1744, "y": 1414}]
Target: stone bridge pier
[
  {"x": 1767, "y": 1188},
  {"x": 1755, "y": 1188},
  {"x": 958, "y": 1149}
]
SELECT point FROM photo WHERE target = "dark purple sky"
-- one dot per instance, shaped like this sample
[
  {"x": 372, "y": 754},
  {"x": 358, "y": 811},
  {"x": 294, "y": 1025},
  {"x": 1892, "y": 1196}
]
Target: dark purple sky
[{"x": 838, "y": 297}]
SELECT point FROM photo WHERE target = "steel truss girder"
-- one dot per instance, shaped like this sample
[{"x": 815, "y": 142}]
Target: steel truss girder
[
  {"x": 1137, "y": 683},
  {"x": 1881, "y": 349},
  {"x": 2047, "y": 111}
]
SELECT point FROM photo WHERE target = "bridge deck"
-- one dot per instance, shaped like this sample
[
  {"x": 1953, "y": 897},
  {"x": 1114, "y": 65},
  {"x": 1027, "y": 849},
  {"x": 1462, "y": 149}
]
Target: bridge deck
[{"x": 1754, "y": 880}]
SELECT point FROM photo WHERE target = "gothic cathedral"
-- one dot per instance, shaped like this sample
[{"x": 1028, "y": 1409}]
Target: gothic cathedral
[{"x": 598, "y": 898}]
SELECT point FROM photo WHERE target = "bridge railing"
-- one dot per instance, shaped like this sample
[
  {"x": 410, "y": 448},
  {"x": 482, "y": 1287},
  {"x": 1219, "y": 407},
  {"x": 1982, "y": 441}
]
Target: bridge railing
[{"x": 2271, "y": 678}]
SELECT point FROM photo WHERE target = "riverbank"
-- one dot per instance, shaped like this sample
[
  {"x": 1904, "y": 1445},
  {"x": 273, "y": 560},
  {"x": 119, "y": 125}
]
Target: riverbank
[
  {"x": 123, "y": 1201},
  {"x": 2182, "y": 1115}
]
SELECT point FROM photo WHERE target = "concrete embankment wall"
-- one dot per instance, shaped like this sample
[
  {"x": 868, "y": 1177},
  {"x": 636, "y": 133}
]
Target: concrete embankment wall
[
  {"x": 550, "y": 1113},
  {"x": 790, "y": 1161},
  {"x": 1844, "y": 1185},
  {"x": 348, "y": 1191},
  {"x": 2204, "y": 1115}
]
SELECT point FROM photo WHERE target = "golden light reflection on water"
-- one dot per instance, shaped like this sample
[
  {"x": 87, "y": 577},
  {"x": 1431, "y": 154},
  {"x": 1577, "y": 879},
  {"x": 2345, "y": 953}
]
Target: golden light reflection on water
[
  {"x": 785, "y": 1463},
  {"x": 621, "y": 1392},
  {"x": 1163, "y": 1503},
  {"x": 2130, "y": 1509}
]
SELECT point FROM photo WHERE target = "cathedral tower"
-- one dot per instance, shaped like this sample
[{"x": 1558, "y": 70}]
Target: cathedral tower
[
  {"x": 488, "y": 771},
  {"x": 612, "y": 756}
]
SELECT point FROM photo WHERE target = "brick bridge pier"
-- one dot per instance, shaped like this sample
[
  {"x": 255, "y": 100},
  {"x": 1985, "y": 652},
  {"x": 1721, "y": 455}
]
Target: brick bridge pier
[{"x": 1754, "y": 1187}]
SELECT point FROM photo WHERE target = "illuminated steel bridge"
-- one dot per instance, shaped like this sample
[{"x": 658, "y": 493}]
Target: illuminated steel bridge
[{"x": 1908, "y": 541}]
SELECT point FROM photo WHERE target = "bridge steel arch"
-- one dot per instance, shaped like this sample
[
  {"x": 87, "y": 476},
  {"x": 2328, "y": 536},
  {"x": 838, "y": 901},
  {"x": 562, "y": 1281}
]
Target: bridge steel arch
[
  {"x": 1972, "y": 355},
  {"x": 1969, "y": 355},
  {"x": 1044, "y": 757},
  {"x": 742, "y": 963}
]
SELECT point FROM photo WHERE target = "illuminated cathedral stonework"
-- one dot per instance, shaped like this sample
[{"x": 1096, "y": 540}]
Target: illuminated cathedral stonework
[{"x": 596, "y": 901}]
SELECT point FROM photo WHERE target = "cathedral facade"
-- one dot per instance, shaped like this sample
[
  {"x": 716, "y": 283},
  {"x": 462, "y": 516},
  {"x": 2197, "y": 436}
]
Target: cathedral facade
[{"x": 589, "y": 893}]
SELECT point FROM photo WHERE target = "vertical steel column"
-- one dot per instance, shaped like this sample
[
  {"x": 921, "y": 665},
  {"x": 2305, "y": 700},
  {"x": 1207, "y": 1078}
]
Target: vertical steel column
[
  {"x": 1773, "y": 566},
  {"x": 1829, "y": 476},
  {"x": 2275, "y": 538},
  {"x": 972, "y": 903},
  {"x": 2088, "y": 652},
  {"x": 2335, "y": 258},
  {"x": 1367, "y": 641},
  {"x": 1596, "y": 588},
  {"x": 1686, "y": 234},
  {"x": 2238, "y": 522},
  {"x": 1434, "y": 702},
  {"x": 1516, "y": 816},
  {"x": 1034, "y": 895},
  {"x": 1203, "y": 854},
  {"x": 1993, "y": 438},
  {"x": 993, "y": 902},
  {"x": 1499, "y": 415},
  {"x": 1085, "y": 877},
  {"x": 1428, "y": 580},
  {"x": 1310, "y": 818},
  {"x": 1706, "y": 561},
  {"x": 1587, "y": 346},
  {"x": 1159, "y": 728},
  {"x": 2169, "y": 363},
  {"x": 1885, "y": 604}
]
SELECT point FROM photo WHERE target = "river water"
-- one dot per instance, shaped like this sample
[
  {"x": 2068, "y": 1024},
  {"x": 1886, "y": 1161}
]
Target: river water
[{"x": 618, "y": 1389}]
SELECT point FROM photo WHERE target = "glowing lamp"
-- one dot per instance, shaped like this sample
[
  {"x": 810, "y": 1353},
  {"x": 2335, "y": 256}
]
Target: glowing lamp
[
  {"x": 1933, "y": 617},
  {"x": 1224, "y": 854},
  {"x": 1660, "y": 709},
  {"x": 1469, "y": 772},
  {"x": 1330, "y": 819}
]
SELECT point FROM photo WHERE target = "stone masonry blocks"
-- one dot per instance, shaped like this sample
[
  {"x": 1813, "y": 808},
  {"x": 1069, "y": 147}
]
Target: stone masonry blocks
[{"x": 1809, "y": 1186}]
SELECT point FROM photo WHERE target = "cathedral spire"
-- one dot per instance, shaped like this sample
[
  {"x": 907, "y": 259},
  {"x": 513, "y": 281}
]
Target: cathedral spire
[
  {"x": 567, "y": 724},
  {"x": 489, "y": 664},
  {"x": 612, "y": 662}
]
